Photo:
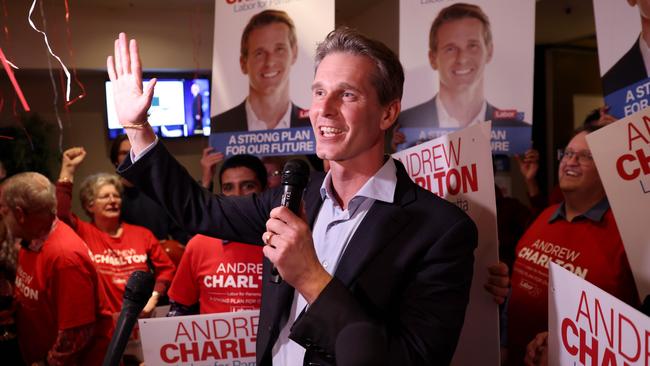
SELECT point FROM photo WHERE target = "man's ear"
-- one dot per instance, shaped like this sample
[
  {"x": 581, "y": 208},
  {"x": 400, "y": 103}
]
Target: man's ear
[
  {"x": 389, "y": 116},
  {"x": 294, "y": 52},
  {"x": 432, "y": 60},
  {"x": 490, "y": 51},
  {"x": 20, "y": 215},
  {"x": 242, "y": 65}
]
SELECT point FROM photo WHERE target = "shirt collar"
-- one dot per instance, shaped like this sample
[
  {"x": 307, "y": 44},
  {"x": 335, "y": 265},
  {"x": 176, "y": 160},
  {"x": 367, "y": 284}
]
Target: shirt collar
[
  {"x": 256, "y": 124},
  {"x": 380, "y": 186},
  {"x": 447, "y": 121},
  {"x": 594, "y": 214}
]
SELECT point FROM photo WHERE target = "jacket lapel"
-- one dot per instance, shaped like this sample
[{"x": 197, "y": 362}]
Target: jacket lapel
[{"x": 380, "y": 226}]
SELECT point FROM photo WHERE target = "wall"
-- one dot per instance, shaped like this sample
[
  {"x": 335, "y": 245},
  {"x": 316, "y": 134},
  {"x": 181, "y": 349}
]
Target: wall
[{"x": 170, "y": 39}]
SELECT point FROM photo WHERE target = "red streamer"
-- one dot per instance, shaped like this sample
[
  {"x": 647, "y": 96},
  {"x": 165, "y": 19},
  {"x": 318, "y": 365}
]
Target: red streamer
[
  {"x": 10, "y": 73},
  {"x": 5, "y": 15},
  {"x": 72, "y": 59}
]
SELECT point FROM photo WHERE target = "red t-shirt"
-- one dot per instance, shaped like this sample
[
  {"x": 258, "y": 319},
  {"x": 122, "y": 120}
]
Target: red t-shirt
[
  {"x": 589, "y": 249},
  {"x": 116, "y": 258},
  {"x": 55, "y": 290},
  {"x": 221, "y": 277}
]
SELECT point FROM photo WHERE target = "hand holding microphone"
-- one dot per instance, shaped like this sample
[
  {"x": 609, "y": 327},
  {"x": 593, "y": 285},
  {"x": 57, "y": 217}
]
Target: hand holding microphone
[
  {"x": 288, "y": 238},
  {"x": 295, "y": 176}
]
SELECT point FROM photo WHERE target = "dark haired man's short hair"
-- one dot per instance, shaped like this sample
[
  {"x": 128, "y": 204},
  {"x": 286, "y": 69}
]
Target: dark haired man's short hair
[
  {"x": 587, "y": 127},
  {"x": 456, "y": 12},
  {"x": 388, "y": 79},
  {"x": 247, "y": 161},
  {"x": 592, "y": 118},
  {"x": 262, "y": 19},
  {"x": 115, "y": 148}
]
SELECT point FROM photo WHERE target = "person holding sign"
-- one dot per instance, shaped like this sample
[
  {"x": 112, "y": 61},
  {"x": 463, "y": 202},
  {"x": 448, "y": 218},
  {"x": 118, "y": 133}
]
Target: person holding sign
[
  {"x": 460, "y": 47},
  {"x": 370, "y": 247},
  {"x": 579, "y": 234},
  {"x": 268, "y": 50},
  {"x": 212, "y": 270}
]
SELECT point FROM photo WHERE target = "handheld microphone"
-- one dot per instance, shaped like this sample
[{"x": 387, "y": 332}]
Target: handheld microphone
[
  {"x": 138, "y": 291},
  {"x": 295, "y": 176}
]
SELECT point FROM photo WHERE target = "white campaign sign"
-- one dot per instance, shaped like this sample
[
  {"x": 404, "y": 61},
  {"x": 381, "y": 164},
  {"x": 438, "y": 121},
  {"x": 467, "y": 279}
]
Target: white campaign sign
[
  {"x": 313, "y": 19},
  {"x": 226, "y": 339},
  {"x": 621, "y": 152},
  {"x": 588, "y": 326},
  {"x": 458, "y": 167}
]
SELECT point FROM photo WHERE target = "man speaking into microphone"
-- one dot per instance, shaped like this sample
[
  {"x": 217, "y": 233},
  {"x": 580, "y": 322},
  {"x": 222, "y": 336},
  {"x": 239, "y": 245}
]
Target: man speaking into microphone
[{"x": 369, "y": 247}]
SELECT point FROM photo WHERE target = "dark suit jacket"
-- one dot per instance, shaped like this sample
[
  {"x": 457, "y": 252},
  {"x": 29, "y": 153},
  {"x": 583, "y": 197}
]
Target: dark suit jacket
[
  {"x": 425, "y": 115},
  {"x": 407, "y": 268},
  {"x": 234, "y": 119},
  {"x": 629, "y": 70}
]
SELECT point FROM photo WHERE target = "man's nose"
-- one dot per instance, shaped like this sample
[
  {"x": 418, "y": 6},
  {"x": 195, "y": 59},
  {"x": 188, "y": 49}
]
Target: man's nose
[{"x": 329, "y": 105}]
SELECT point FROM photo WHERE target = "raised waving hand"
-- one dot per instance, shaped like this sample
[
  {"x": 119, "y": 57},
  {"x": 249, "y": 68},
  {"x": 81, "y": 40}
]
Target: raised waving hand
[{"x": 131, "y": 101}]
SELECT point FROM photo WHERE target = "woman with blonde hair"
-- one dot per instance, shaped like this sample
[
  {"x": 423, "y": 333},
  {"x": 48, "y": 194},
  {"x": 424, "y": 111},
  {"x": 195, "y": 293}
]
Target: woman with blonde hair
[{"x": 116, "y": 248}]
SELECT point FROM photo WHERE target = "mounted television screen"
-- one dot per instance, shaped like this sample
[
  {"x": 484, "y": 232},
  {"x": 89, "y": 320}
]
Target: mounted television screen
[{"x": 180, "y": 108}]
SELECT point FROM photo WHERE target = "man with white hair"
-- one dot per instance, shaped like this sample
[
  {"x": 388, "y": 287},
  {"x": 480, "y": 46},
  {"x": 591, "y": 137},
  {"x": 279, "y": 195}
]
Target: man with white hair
[{"x": 56, "y": 283}]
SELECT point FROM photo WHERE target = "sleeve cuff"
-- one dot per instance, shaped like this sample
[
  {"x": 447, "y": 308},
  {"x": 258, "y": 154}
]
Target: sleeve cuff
[{"x": 137, "y": 157}]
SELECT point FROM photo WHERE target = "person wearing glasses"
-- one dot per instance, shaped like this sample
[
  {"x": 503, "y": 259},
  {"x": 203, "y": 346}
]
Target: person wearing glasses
[
  {"x": 116, "y": 247},
  {"x": 579, "y": 234}
]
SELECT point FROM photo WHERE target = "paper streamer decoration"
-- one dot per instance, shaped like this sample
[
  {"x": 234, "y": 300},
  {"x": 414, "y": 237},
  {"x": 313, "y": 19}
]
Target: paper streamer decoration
[{"x": 10, "y": 73}]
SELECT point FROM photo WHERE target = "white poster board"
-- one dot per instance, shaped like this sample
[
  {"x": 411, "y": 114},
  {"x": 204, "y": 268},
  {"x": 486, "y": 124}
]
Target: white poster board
[
  {"x": 458, "y": 167},
  {"x": 226, "y": 339},
  {"x": 313, "y": 20},
  {"x": 621, "y": 152},
  {"x": 620, "y": 47},
  {"x": 505, "y": 78},
  {"x": 588, "y": 326}
]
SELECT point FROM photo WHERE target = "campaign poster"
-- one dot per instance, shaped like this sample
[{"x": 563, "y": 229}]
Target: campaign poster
[
  {"x": 226, "y": 339},
  {"x": 588, "y": 326},
  {"x": 621, "y": 152},
  {"x": 263, "y": 67},
  {"x": 458, "y": 167},
  {"x": 466, "y": 63},
  {"x": 623, "y": 36}
]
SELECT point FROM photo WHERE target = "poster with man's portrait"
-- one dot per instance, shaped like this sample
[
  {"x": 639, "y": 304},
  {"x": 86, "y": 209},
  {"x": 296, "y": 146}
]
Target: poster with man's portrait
[
  {"x": 467, "y": 63},
  {"x": 623, "y": 34},
  {"x": 263, "y": 66}
]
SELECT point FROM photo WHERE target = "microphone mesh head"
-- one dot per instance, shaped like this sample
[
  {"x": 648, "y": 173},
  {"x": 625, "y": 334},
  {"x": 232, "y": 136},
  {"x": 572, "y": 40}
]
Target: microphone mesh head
[
  {"x": 139, "y": 287},
  {"x": 295, "y": 173}
]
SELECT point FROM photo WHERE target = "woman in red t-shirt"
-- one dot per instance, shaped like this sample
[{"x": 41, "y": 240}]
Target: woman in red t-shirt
[{"x": 116, "y": 248}]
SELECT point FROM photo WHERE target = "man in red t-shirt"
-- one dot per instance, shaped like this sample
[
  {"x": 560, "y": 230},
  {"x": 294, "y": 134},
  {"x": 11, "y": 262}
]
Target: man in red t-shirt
[
  {"x": 56, "y": 283},
  {"x": 579, "y": 234},
  {"x": 219, "y": 276}
]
